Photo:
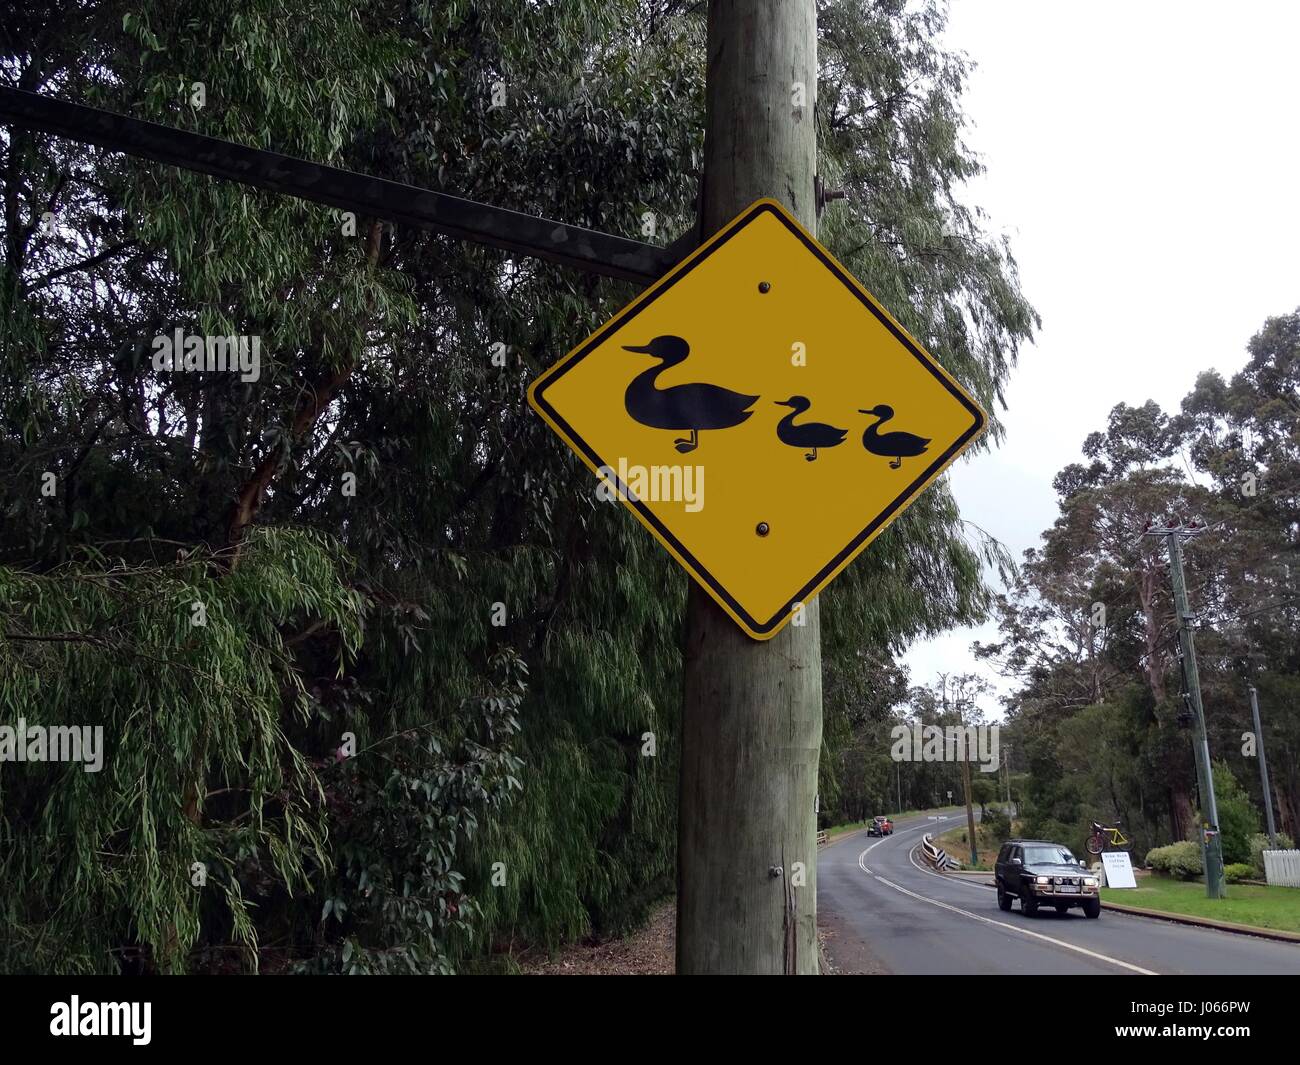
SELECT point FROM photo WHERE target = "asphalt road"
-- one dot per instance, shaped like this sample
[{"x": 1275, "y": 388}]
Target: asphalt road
[{"x": 884, "y": 912}]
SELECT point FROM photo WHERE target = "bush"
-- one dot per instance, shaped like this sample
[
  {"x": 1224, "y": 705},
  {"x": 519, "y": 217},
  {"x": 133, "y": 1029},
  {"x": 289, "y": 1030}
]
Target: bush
[
  {"x": 1073, "y": 836},
  {"x": 1237, "y": 872},
  {"x": 996, "y": 824},
  {"x": 1259, "y": 844},
  {"x": 1238, "y": 818},
  {"x": 1158, "y": 859},
  {"x": 1182, "y": 860}
]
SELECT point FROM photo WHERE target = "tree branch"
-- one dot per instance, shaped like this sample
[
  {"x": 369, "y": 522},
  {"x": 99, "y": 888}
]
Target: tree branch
[{"x": 85, "y": 264}]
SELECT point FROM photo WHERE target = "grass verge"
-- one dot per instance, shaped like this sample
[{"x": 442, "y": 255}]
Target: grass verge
[
  {"x": 956, "y": 844},
  {"x": 1276, "y": 908}
]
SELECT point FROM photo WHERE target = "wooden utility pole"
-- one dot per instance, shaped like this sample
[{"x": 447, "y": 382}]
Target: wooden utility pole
[
  {"x": 1006, "y": 761},
  {"x": 1263, "y": 767},
  {"x": 965, "y": 783},
  {"x": 751, "y": 733},
  {"x": 1211, "y": 847}
]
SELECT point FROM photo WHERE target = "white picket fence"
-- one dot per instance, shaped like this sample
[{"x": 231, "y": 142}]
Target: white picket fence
[{"x": 1282, "y": 868}]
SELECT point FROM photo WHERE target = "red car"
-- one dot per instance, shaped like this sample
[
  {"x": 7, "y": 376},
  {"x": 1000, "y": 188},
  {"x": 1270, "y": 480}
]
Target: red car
[{"x": 880, "y": 826}]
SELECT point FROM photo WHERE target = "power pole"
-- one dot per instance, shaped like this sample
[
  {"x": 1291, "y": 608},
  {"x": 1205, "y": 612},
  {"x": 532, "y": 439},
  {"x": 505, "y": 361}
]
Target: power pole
[
  {"x": 752, "y": 711},
  {"x": 965, "y": 780},
  {"x": 1211, "y": 847},
  {"x": 1263, "y": 768},
  {"x": 1007, "y": 764}
]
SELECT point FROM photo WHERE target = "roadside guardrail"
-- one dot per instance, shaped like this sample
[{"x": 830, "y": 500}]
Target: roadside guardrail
[{"x": 936, "y": 855}]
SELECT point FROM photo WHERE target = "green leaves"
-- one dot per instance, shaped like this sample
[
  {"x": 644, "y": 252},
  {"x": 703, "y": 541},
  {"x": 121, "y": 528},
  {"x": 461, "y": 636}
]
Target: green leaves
[
  {"x": 198, "y": 768},
  {"x": 1102, "y": 689},
  {"x": 370, "y": 612}
]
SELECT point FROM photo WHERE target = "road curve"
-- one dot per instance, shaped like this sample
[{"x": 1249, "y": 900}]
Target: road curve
[{"x": 882, "y": 911}]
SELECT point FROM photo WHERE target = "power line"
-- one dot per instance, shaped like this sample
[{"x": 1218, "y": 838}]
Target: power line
[{"x": 1264, "y": 609}]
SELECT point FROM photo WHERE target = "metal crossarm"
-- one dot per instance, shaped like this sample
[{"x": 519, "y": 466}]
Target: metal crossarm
[{"x": 558, "y": 242}]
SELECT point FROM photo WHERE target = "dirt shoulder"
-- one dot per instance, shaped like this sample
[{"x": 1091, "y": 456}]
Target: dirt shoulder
[{"x": 651, "y": 951}]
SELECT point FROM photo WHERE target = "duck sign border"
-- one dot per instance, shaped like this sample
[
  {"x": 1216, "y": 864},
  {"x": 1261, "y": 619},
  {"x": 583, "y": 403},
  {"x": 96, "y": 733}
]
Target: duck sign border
[{"x": 957, "y": 433}]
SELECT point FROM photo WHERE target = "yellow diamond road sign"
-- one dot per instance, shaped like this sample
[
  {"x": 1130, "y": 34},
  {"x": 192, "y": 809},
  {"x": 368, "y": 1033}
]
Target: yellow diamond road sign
[{"x": 760, "y": 413}]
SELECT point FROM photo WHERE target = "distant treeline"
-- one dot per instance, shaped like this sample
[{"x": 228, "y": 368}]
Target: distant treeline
[{"x": 1089, "y": 632}]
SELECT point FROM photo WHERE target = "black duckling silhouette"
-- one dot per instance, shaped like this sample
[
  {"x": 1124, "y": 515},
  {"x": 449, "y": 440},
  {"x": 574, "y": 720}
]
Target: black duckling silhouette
[
  {"x": 809, "y": 434},
  {"x": 897, "y": 446},
  {"x": 684, "y": 407}
]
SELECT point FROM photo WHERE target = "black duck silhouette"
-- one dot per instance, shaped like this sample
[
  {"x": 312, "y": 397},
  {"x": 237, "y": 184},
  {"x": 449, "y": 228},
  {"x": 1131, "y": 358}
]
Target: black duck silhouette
[
  {"x": 809, "y": 434},
  {"x": 897, "y": 446},
  {"x": 690, "y": 407}
]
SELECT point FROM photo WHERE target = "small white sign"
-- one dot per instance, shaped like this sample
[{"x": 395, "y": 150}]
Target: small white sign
[{"x": 1119, "y": 870}]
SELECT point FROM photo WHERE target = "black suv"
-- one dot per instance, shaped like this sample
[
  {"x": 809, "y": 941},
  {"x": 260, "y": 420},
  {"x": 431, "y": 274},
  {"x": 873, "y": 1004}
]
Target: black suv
[{"x": 1037, "y": 871}]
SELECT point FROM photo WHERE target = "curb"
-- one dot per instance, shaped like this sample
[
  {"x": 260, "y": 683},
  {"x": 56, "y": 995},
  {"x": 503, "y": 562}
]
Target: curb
[
  {"x": 1204, "y": 922},
  {"x": 1175, "y": 918}
]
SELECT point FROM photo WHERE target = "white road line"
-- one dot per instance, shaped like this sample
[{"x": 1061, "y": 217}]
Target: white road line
[{"x": 999, "y": 924}]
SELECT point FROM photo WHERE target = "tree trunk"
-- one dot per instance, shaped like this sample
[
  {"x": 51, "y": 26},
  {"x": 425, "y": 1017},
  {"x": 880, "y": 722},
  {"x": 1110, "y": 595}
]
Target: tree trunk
[
  {"x": 1155, "y": 656},
  {"x": 1180, "y": 798},
  {"x": 751, "y": 735}
]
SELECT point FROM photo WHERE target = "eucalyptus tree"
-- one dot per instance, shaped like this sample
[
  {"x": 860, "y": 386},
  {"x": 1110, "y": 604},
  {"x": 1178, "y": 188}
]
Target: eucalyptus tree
[
  {"x": 1092, "y": 609},
  {"x": 433, "y": 705},
  {"x": 1099, "y": 699},
  {"x": 1244, "y": 434}
]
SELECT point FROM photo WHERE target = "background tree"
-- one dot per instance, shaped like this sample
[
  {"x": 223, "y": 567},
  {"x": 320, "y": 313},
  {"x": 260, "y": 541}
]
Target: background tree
[
  {"x": 1099, "y": 684},
  {"x": 514, "y": 783}
]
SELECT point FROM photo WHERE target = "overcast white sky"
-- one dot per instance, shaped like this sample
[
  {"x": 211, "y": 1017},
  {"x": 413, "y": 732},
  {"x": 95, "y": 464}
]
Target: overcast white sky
[{"x": 1144, "y": 159}]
